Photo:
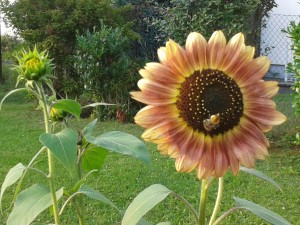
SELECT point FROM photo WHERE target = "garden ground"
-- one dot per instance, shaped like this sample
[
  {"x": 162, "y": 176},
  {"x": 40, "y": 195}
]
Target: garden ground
[{"x": 123, "y": 177}]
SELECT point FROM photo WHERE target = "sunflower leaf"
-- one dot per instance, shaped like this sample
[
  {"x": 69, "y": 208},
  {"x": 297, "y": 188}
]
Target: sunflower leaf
[
  {"x": 30, "y": 203},
  {"x": 89, "y": 128},
  {"x": 93, "y": 194},
  {"x": 13, "y": 175},
  {"x": 261, "y": 212},
  {"x": 93, "y": 158},
  {"x": 63, "y": 146},
  {"x": 144, "y": 202},
  {"x": 123, "y": 143},
  {"x": 69, "y": 105},
  {"x": 261, "y": 175}
]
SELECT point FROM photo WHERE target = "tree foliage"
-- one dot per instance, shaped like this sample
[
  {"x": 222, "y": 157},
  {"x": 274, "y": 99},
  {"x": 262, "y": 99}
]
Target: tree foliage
[
  {"x": 53, "y": 25},
  {"x": 159, "y": 20},
  {"x": 10, "y": 46},
  {"x": 206, "y": 16}
]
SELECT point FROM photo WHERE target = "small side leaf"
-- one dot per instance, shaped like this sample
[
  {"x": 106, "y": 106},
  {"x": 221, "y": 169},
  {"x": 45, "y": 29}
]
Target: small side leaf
[
  {"x": 63, "y": 145},
  {"x": 143, "y": 222},
  {"x": 89, "y": 128},
  {"x": 30, "y": 203},
  {"x": 93, "y": 158},
  {"x": 13, "y": 175},
  {"x": 144, "y": 202},
  {"x": 42, "y": 224},
  {"x": 68, "y": 105},
  {"x": 96, "y": 104},
  {"x": 76, "y": 187},
  {"x": 261, "y": 175},
  {"x": 93, "y": 194},
  {"x": 261, "y": 212},
  {"x": 123, "y": 143},
  {"x": 10, "y": 93}
]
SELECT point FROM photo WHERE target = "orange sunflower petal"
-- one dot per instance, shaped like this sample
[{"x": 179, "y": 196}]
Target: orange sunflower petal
[
  {"x": 153, "y": 100},
  {"x": 150, "y": 115},
  {"x": 196, "y": 50},
  {"x": 154, "y": 88},
  {"x": 216, "y": 49},
  {"x": 177, "y": 58},
  {"x": 254, "y": 71},
  {"x": 162, "y": 55},
  {"x": 162, "y": 73},
  {"x": 264, "y": 89},
  {"x": 233, "y": 51}
]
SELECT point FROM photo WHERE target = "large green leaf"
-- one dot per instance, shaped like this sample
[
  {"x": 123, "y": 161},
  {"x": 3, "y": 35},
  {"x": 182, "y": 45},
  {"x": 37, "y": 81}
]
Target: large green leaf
[
  {"x": 69, "y": 105},
  {"x": 123, "y": 143},
  {"x": 261, "y": 175},
  {"x": 261, "y": 212},
  {"x": 144, "y": 202},
  {"x": 93, "y": 194},
  {"x": 13, "y": 175},
  {"x": 63, "y": 145},
  {"x": 93, "y": 158},
  {"x": 30, "y": 203}
]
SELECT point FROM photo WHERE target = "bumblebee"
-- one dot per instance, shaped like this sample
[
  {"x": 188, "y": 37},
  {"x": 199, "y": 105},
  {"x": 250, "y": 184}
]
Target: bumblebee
[{"x": 212, "y": 122}]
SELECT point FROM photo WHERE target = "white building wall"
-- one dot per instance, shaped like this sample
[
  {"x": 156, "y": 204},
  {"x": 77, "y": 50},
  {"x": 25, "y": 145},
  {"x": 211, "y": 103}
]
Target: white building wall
[{"x": 275, "y": 43}]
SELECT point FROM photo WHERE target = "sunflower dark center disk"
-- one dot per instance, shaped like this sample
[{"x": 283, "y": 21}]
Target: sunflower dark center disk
[{"x": 211, "y": 92}]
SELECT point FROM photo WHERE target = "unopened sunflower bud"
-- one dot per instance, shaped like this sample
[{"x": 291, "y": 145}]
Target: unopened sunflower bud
[
  {"x": 57, "y": 115},
  {"x": 34, "y": 65}
]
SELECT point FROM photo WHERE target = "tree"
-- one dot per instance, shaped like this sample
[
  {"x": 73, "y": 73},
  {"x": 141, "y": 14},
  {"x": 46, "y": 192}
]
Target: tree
[
  {"x": 164, "y": 19},
  {"x": 1, "y": 74},
  {"x": 53, "y": 25}
]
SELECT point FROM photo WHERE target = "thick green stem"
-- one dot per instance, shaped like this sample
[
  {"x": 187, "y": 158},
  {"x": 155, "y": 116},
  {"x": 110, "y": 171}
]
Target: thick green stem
[
  {"x": 51, "y": 179},
  {"x": 203, "y": 200},
  {"x": 79, "y": 208},
  {"x": 51, "y": 175},
  {"x": 218, "y": 201},
  {"x": 79, "y": 212}
]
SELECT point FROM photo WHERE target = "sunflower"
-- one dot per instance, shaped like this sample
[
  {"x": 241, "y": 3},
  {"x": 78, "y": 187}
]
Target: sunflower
[{"x": 207, "y": 105}]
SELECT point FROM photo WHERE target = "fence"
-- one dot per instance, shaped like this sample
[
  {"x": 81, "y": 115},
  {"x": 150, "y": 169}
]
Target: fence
[{"x": 277, "y": 45}]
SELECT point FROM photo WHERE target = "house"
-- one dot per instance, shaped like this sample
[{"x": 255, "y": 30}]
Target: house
[{"x": 275, "y": 43}]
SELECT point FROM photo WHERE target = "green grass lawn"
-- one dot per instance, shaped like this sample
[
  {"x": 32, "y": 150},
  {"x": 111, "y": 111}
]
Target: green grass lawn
[{"x": 123, "y": 177}]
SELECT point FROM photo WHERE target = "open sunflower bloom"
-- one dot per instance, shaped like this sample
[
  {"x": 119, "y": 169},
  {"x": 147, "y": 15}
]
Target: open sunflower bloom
[{"x": 207, "y": 105}]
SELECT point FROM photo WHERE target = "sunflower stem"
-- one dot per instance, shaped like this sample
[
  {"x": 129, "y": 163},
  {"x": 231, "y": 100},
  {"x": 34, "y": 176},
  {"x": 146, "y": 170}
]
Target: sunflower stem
[
  {"x": 218, "y": 201},
  {"x": 203, "y": 200},
  {"x": 50, "y": 157}
]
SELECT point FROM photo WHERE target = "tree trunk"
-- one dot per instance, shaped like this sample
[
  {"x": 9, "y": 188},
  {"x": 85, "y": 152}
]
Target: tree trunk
[{"x": 1, "y": 73}]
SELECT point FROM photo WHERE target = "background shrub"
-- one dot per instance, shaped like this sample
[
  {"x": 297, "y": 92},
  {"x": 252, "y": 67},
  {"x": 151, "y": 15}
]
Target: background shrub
[
  {"x": 106, "y": 69},
  {"x": 294, "y": 67}
]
